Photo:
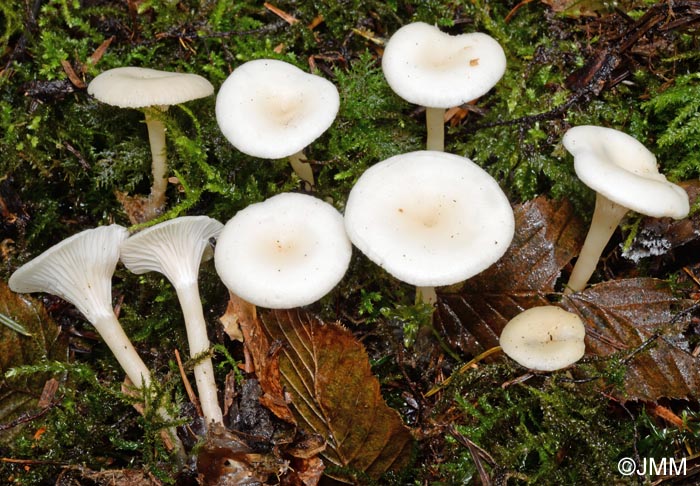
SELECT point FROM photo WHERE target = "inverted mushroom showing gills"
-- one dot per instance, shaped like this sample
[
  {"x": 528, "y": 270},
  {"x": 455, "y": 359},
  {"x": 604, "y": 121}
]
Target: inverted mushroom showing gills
[
  {"x": 429, "y": 218},
  {"x": 272, "y": 110},
  {"x": 430, "y": 68},
  {"x": 287, "y": 251},
  {"x": 175, "y": 248},
  {"x": 545, "y": 338},
  {"x": 624, "y": 174},
  {"x": 79, "y": 270},
  {"x": 150, "y": 90}
]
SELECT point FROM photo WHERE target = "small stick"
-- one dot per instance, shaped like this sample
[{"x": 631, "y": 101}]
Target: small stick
[{"x": 188, "y": 386}]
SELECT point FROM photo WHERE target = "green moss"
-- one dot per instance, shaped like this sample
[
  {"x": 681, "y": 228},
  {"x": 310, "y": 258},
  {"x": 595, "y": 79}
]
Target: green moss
[{"x": 62, "y": 154}]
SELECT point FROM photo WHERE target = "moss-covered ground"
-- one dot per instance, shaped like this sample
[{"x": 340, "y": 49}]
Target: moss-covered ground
[{"x": 64, "y": 155}]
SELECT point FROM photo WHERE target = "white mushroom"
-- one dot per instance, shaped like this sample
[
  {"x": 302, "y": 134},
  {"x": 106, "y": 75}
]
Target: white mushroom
[
  {"x": 624, "y": 174},
  {"x": 545, "y": 338},
  {"x": 175, "y": 248},
  {"x": 430, "y": 68},
  {"x": 287, "y": 251},
  {"x": 272, "y": 109},
  {"x": 150, "y": 89},
  {"x": 429, "y": 218},
  {"x": 79, "y": 270}
]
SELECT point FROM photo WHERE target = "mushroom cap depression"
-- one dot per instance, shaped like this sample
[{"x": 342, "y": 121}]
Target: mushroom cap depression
[
  {"x": 287, "y": 251},
  {"x": 272, "y": 109},
  {"x": 623, "y": 170},
  {"x": 429, "y": 218},
  {"x": 430, "y": 68},
  {"x": 135, "y": 87},
  {"x": 545, "y": 338},
  {"x": 174, "y": 248},
  {"x": 79, "y": 269}
]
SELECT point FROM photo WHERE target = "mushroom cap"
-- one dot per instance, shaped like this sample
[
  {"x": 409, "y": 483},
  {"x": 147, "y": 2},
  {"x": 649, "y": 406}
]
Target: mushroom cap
[
  {"x": 136, "y": 87},
  {"x": 430, "y": 68},
  {"x": 545, "y": 338},
  {"x": 622, "y": 169},
  {"x": 429, "y": 218},
  {"x": 272, "y": 109},
  {"x": 174, "y": 248},
  {"x": 287, "y": 251},
  {"x": 79, "y": 269}
]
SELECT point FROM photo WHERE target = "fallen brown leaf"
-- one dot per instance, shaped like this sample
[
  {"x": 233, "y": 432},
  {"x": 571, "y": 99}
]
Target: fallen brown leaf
[
  {"x": 265, "y": 358},
  {"x": 620, "y": 316},
  {"x": 335, "y": 394}
]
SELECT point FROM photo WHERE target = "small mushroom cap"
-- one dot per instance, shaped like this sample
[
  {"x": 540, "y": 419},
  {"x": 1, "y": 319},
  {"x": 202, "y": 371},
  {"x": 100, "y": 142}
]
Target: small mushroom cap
[
  {"x": 287, "y": 251},
  {"x": 79, "y": 269},
  {"x": 622, "y": 169},
  {"x": 545, "y": 338},
  {"x": 272, "y": 109},
  {"x": 430, "y": 68},
  {"x": 174, "y": 248},
  {"x": 429, "y": 218},
  {"x": 135, "y": 87}
]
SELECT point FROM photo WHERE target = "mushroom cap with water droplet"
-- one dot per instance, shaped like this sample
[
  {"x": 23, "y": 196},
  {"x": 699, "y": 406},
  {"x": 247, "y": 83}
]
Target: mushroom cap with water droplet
[{"x": 431, "y": 68}]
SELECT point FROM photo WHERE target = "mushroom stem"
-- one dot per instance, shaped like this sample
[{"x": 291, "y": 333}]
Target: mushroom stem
[
  {"x": 111, "y": 331},
  {"x": 606, "y": 217},
  {"x": 302, "y": 168},
  {"x": 426, "y": 295},
  {"x": 198, "y": 340},
  {"x": 156, "y": 138},
  {"x": 435, "y": 121},
  {"x": 116, "y": 339}
]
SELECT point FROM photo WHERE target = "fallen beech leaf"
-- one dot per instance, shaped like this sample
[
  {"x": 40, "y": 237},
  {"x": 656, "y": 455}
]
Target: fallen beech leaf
[
  {"x": 658, "y": 236},
  {"x": 22, "y": 394},
  {"x": 547, "y": 236},
  {"x": 335, "y": 394},
  {"x": 265, "y": 358},
  {"x": 621, "y": 315}
]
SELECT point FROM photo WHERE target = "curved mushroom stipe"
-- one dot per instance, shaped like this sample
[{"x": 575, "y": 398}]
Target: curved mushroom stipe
[
  {"x": 149, "y": 90},
  {"x": 175, "y": 249},
  {"x": 624, "y": 174},
  {"x": 79, "y": 269}
]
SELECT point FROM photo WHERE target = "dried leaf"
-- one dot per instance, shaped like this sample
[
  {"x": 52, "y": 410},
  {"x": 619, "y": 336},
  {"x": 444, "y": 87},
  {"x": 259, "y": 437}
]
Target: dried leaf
[
  {"x": 576, "y": 8},
  {"x": 657, "y": 236},
  {"x": 265, "y": 358},
  {"x": 16, "y": 349},
  {"x": 548, "y": 235},
  {"x": 621, "y": 315},
  {"x": 230, "y": 318},
  {"x": 225, "y": 459},
  {"x": 335, "y": 394}
]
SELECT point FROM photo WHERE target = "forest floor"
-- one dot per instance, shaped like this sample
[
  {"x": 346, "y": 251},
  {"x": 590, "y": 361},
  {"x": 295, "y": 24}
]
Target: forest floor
[{"x": 364, "y": 386}]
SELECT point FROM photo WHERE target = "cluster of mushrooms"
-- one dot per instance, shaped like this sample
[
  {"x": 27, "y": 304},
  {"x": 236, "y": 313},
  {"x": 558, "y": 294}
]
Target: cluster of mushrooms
[{"x": 429, "y": 218}]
